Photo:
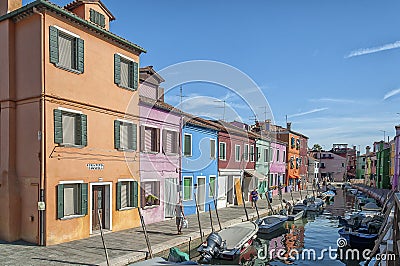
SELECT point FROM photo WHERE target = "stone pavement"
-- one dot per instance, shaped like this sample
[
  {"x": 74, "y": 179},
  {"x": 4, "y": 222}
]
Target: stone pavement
[{"x": 128, "y": 246}]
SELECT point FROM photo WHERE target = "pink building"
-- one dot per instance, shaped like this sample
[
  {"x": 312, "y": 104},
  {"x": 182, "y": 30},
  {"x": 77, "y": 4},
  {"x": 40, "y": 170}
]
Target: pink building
[
  {"x": 159, "y": 149},
  {"x": 332, "y": 166},
  {"x": 277, "y": 167}
]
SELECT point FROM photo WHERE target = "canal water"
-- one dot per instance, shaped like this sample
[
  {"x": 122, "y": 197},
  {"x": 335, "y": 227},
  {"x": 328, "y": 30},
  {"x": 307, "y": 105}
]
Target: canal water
[{"x": 310, "y": 241}]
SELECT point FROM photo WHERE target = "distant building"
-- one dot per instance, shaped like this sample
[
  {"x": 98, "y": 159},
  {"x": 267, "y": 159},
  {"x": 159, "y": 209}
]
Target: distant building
[
  {"x": 332, "y": 167},
  {"x": 370, "y": 167},
  {"x": 361, "y": 163},
  {"x": 313, "y": 168},
  {"x": 350, "y": 154},
  {"x": 383, "y": 165},
  {"x": 396, "y": 159}
]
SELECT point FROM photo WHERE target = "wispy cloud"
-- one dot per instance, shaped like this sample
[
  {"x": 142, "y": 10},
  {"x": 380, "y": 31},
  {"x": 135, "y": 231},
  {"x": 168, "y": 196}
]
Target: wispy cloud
[
  {"x": 332, "y": 100},
  {"x": 391, "y": 94},
  {"x": 371, "y": 50},
  {"x": 308, "y": 112}
]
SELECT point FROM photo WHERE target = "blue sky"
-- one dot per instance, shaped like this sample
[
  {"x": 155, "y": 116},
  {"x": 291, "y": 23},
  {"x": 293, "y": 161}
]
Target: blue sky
[{"x": 331, "y": 66}]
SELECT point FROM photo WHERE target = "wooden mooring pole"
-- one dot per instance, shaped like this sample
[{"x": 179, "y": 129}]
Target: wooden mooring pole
[
  {"x": 146, "y": 236},
  {"x": 198, "y": 217},
  {"x": 102, "y": 237},
  {"x": 215, "y": 206}
]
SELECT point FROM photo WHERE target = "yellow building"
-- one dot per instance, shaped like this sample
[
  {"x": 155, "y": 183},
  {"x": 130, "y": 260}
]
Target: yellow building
[{"x": 65, "y": 133}]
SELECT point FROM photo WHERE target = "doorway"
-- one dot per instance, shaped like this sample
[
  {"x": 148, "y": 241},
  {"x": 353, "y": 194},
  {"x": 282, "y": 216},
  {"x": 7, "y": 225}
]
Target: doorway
[
  {"x": 171, "y": 196},
  {"x": 201, "y": 192},
  {"x": 100, "y": 206}
]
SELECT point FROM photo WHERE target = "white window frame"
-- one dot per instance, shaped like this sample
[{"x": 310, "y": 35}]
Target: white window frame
[
  {"x": 215, "y": 186},
  {"x": 237, "y": 159},
  {"x": 177, "y": 139},
  {"x": 213, "y": 156},
  {"x": 72, "y": 182},
  {"x": 246, "y": 154},
  {"x": 219, "y": 154},
  {"x": 159, "y": 196},
  {"x": 159, "y": 141},
  {"x": 252, "y": 153},
  {"x": 183, "y": 188},
  {"x": 266, "y": 155},
  {"x": 110, "y": 203}
]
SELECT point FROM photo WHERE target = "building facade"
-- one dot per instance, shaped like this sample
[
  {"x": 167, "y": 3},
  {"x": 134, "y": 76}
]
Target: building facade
[
  {"x": 383, "y": 165},
  {"x": 160, "y": 134},
  {"x": 332, "y": 167},
  {"x": 61, "y": 145},
  {"x": 396, "y": 175},
  {"x": 199, "y": 170},
  {"x": 361, "y": 165},
  {"x": 277, "y": 165}
]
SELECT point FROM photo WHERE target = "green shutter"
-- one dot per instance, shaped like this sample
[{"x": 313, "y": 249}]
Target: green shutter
[
  {"x": 102, "y": 20},
  {"x": 133, "y": 137},
  {"x": 135, "y": 75},
  {"x": 80, "y": 54},
  {"x": 212, "y": 186},
  {"x": 58, "y": 130},
  {"x": 83, "y": 127},
  {"x": 117, "y": 134},
  {"x": 53, "y": 38},
  {"x": 134, "y": 194},
  {"x": 92, "y": 15},
  {"x": 118, "y": 195},
  {"x": 187, "y": 184},
  {"x": 84, "y": 199},
  {"x": 60, "y": 201},
  {"x": 78, "y": 129},
  {"x": 187, "y": 145},
  {"x": 117, "y": 69}
]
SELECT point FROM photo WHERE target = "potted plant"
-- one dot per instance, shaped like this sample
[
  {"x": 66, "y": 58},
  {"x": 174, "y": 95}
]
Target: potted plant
[{"x": 151, "y": 200}]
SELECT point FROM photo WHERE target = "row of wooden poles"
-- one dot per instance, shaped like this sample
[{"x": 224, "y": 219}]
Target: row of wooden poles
[{"x": 143, "y": 224}]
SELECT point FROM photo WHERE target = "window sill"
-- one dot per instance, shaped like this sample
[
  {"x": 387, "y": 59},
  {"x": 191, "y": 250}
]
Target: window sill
[
  {"x": 68, "y": 69},
  {"x": 150, "y": 152},
  {"x": 72, "y": 217},
  {"x": 126, "y": 150},
  {"x": 127, "y": 208},
  {"x": 72, "y": 146},
  {"x": 150, "y": 207},
  {"x": 126, "y": 88}
]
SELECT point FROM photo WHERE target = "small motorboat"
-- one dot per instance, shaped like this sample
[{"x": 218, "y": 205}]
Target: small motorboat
[
  {"x": 229, "y": 243},
  {"x": 371, "y": 206},
  {"x": 353, "y": 191},
  {"x": 361, "y": 239},
  {"x": 294, "y": 217},
  {"x": 271, "y": 223},
  {"x": 344, "y": 233},
  {"x": 299, "y": 206},
  {"x": 328, "y": 195}
]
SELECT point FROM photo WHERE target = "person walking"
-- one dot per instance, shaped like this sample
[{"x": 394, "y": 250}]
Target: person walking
[
  {"x": 180, "y": 215},
  {"x": 254, "y": 197},
  {"x": 269, "y": 195}
]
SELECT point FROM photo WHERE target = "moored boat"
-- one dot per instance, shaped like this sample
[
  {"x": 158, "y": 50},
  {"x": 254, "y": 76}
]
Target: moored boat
[
  {"x": 297, "y": 216},
  {"x": 271, "y": 223},
  {"x": 229, "y": 243}
]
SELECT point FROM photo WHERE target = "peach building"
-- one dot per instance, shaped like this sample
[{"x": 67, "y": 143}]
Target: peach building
[{"x": 68, "y": 141}]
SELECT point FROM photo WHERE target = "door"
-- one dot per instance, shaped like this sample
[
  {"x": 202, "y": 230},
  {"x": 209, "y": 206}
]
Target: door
[
  {"x": 98, "y": 206},
  {"x": 221, "y": 202},
  {"x": 201, "y": 193},
  {"x": 171, "y": 196},
  {"x": 230, "y": 189}
]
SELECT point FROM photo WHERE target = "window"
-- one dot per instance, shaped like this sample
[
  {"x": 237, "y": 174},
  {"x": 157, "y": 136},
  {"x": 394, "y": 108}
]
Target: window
[
  {"x": 297, "y": 144},
  {"x": 252, "y": 155},
  {"x": 212, "y": 148},
  {"x": 237, "y": 153},
  {"x": 213, "y": 186},
  {"x": 150, "y": 193},
  {"x": 149, "y": 139},
  {"x": 125, "y": 72},
  {"x": 72, "y": 199},
  {"x": 170, "y": 142},
  {"x": 277, "y": 155},
  {"x": 284, "y": 156},
  {"x": 292, "y": 143},
  {"x": 125, "y": 135},
  {"x": 187, "y": 188},
  {"x": 271, "y": 179},
  {"x": 342, "y": 164},
  {"x": 257, "y": 154},
  {"x": 266, "y": 155},
  {"x": 187, "y": 145},
  {"x": 246, "y": 152},
  {"x": 222, "y": 151},
  {"x": 291, "y": 162},
  {"x": 127, "y": 195},
  {"x": 297, "y": 163},
  {"x": 97, "y": 18},
  {"x": 70, "y": 128},
  {"x": 66, "y": 50}
]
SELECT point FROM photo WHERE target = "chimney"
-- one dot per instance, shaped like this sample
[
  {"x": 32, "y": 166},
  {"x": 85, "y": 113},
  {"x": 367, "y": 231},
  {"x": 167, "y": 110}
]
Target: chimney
[
  {"x": 397, "y": 130},
  {"x": 289, "y": 126},
  {"x": 354, "y": 147},
  {"x": 7, "y": 6},
  {"x": 368, "y": 149}
]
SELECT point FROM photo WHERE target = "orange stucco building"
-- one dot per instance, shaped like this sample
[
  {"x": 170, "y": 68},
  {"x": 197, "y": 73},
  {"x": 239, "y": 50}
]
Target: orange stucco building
[{"x": 68, "y": 141}]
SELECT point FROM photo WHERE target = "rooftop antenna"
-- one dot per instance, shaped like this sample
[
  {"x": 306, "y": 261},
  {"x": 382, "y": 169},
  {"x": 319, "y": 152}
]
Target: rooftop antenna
[
  {"x": 224, "y": 106},
  {"x": 265, "y": 112},
  {"x": 286, "y": 119}
]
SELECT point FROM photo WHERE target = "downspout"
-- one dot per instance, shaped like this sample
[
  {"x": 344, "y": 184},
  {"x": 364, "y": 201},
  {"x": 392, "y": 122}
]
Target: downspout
[{"x": 42, "y": 132}]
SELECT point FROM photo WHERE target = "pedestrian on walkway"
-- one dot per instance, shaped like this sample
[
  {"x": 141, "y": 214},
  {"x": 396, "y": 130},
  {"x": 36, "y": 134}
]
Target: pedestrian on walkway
[
  {"x": 269, "y": 195},
  {"x": 180, "y": 215},
  {"x": 254, "y": 197},
  {"x": 288, "y": 207}
]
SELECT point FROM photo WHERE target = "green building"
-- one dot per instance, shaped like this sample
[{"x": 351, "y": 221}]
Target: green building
[
  {"x": 383, "y": 165},
  {"x": 361, "y": 164},
  {"x": 263, "y": 153}
]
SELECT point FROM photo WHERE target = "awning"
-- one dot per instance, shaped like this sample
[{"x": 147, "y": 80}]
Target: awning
[
  {"x": 294, "y": 176},
  {"x": 254, "y": 173}
]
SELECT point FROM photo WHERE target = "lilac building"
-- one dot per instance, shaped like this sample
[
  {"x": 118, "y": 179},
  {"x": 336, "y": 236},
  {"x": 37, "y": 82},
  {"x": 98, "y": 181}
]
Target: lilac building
[
  {"x": 160, "y": 132},
  {"x": 396, "y": 159},
  {"x": 278, "y": 164}
]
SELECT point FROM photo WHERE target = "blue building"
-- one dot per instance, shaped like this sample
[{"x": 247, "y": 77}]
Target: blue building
[{"x": 199, "y": 171}]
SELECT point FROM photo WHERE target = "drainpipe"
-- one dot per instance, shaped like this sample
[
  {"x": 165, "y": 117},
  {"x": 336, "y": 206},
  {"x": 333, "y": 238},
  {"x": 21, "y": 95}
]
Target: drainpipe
[{"x": 42, "y": 133}]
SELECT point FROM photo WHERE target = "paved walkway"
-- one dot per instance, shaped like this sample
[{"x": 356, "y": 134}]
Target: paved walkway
[{"x": 128, "y": 245}]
